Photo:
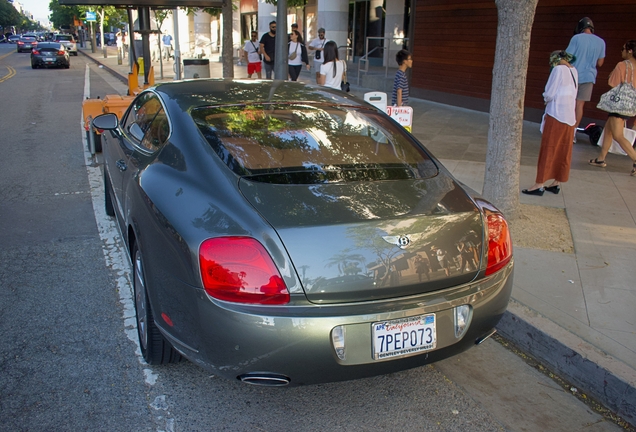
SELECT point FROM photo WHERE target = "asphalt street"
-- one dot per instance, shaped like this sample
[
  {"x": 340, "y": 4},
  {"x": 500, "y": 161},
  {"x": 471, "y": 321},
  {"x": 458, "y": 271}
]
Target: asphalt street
[{"x": 69, "y": 359}]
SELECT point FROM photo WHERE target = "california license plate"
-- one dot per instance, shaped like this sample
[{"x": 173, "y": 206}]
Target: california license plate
[
  {"x": 48, "y": 59},
  {"x": 403, "y": 337}
]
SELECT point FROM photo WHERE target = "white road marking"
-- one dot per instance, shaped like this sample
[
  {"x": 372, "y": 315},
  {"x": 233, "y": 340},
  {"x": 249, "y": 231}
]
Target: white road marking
[{"x": 117, "y": 259}]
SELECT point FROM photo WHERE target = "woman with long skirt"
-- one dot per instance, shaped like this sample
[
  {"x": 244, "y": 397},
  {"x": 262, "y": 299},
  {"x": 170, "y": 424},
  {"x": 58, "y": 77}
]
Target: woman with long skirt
[{"x": 558, "y": 125}]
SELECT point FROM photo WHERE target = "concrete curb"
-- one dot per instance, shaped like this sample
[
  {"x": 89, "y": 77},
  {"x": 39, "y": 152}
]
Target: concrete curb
[{"x": 606, "y": 379}]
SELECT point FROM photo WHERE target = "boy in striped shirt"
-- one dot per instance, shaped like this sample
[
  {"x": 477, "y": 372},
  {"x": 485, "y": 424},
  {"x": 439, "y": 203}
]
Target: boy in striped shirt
[{"x": 401, "y": 83}]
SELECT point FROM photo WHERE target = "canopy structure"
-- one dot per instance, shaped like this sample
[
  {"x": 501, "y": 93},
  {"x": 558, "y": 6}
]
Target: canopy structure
[{"x": 167, "y": 4}]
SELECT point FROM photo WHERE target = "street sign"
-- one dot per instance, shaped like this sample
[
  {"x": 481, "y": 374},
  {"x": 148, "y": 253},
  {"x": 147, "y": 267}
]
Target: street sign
[
  {"x": 91, "y": 16},
  {"x": 403, "y": 115}
]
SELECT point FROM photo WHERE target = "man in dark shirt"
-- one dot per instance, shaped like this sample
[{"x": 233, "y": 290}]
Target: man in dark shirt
[{"x": 268, "y": 49}]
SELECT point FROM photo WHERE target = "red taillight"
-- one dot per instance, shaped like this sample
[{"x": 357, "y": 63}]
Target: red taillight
[
  {"x": 499, "y": 242},
  {"x": 20, "y": 43},
  {"x": 61, "y": 53},
  {"x": 34, "y": 51},
  {"x": 239, "y": 269}
]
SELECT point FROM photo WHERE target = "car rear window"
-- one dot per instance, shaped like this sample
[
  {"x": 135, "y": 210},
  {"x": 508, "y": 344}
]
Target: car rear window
[
  {"x": 309, "y": 143},
  {"x": 64, "y": 37}
]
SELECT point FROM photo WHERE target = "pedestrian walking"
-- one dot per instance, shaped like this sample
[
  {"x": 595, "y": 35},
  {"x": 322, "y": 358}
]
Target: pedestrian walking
[
  {"x": 268, "y": 49},
  {"x": 120, "y": 45},
  {"x": 318, "y": 45},
  {"x": 332, "y": 69},
  {"x": 250, "y": 52},
  {"x": 166, "y": 39},
  {"x": 296, "y": 56},
  {"x": 557, "y": 126},
  {"x": 624, "y": 72},
  {"x": 401, "y": 82},
  {"x": 124, "y": 41},
  {"x": 589, "y": 54}
]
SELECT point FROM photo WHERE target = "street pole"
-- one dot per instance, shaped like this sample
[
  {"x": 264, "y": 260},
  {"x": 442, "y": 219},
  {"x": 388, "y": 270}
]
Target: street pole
[
  {"x": 93, "y": 50},
  {"x": 280, "y": 59},
  {"x": 177, "y": 50}
]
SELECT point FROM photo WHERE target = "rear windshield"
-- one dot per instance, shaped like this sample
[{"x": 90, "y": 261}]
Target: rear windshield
[
  {"x": 64, "y": 37},
  {"x": 307, "y": 143}
]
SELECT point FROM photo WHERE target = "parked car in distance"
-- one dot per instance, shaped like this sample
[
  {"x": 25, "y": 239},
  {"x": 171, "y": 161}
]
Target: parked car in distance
[
  {"x": 14, "y": 39},
  {"x": 287, "y": 234},
  {"x": 48, "y": 54},
  {"x": 68, "y": 41},
  {"x": 26, "y": 43}
]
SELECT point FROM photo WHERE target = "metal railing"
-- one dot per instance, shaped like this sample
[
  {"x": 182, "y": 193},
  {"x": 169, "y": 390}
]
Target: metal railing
[{"x": 384, "y": 46}]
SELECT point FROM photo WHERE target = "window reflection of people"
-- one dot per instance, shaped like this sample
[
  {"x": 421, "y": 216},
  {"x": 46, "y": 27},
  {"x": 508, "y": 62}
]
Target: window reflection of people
[
  {"x": 443, "y": 261},
  {"x": 422, "y": 267}
]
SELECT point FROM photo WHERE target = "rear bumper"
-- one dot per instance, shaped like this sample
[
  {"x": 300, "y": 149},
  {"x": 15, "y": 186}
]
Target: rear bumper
[
  {"x": 57, "y": 62},
  {"x": 295, "y": 342}
]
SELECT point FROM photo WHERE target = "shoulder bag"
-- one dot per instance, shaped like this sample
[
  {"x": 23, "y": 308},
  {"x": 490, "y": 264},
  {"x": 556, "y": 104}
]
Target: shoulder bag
[
  {"x": 622, "y": 98},
  {"x": 260, "y": 56},
  {"x": 295, "y": 53},
  {"x": 344, "y": 85}
]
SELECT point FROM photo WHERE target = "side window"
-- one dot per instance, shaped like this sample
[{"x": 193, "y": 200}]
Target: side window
[
  {"x": 142, "y": 112},
  {"x": 157, "y": 133}
]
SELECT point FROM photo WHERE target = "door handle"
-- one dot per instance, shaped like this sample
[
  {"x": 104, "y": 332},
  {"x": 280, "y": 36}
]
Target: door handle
[{"x": 121, "y": 165}]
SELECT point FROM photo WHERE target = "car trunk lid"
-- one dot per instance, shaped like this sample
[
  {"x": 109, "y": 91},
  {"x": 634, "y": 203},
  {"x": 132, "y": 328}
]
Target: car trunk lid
[{"x": 361, "y": 241}]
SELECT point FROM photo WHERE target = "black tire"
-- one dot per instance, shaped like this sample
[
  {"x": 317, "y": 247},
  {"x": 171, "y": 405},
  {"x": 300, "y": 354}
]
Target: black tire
[
  {"x": 34, "y": 66},
  {"x": 155, "y": 348},
  {"x": 108, "y": 198},
  {"x": 67, "y": 65}
]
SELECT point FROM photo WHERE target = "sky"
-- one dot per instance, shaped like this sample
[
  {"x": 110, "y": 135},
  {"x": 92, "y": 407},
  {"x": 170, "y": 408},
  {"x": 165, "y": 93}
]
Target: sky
[{"x": 39, "y": 9}]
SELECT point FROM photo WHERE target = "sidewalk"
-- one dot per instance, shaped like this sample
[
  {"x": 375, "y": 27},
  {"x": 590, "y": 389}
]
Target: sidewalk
[{"x": 576, "y": 312}]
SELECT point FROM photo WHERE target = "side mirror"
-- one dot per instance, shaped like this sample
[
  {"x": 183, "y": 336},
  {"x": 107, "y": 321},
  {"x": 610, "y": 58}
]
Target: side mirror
[{"x": 107, "y": 121}]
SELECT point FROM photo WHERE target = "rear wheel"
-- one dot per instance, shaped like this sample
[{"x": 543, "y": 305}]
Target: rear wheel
[
  {"x": 154, "y": 347},
  {"x": 67, "y": 65},
  {"x": 34, "y": 66}
]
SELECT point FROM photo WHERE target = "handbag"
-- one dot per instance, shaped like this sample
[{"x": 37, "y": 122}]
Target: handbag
[
  {"x": 295, "y": 53},
  {"x": 622, "y": 98},
  {"x": 344, "y": 84}
]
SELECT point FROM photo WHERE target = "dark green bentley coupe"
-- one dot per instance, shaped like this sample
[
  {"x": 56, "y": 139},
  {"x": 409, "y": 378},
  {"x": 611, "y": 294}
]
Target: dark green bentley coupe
[{"x": 287, "y": 234}]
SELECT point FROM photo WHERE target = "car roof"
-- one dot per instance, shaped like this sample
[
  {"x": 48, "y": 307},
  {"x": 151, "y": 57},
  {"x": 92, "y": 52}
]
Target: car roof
[{"x": 218, "y": 92}]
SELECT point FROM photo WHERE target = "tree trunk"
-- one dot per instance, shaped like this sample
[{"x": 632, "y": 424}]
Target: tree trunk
[
  {"x": 501, "y": 179},
  {"x": 228, "y": 46}
]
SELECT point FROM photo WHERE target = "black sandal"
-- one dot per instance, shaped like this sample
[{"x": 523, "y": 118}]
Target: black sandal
[
  {"x": 633, "y": 173},
  {"x": 597, "y": 163}
]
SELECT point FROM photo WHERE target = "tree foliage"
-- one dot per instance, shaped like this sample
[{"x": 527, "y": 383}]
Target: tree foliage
[
  {"x": 9, "y": 15},
  {"x": 290, "y": 3},
  {"x": 63, "y": 15}
]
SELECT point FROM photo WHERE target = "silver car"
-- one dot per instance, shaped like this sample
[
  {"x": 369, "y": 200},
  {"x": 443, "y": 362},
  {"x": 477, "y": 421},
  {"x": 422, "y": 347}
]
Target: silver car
[
  {"x": 287, "y": 234},
  {"x": 68, "y": 41}
]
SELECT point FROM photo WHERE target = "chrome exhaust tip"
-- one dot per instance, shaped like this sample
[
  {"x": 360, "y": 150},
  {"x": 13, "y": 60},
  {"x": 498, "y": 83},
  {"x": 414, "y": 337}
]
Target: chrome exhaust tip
[
  {"x": 265, "y": 379},
  {"x": 480, "y": 340}
]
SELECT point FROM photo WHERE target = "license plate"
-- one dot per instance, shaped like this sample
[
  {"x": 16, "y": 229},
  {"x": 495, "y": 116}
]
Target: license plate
[
  {"x": 402, "y": 337},
  {"x": 49, "y": 59}
]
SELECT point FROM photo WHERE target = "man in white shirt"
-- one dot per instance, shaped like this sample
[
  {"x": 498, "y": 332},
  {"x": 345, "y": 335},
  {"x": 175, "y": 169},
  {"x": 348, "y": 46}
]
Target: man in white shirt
[
  {"x": 250, "y": 51},
  {"x": 317, "y": 45}
]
